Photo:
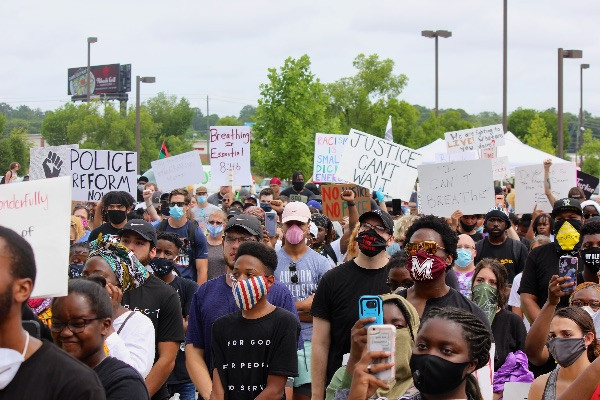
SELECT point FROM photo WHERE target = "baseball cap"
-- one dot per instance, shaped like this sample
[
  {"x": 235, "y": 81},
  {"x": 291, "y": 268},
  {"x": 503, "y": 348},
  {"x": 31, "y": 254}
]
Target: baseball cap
[
  {"x": 233, "y": 212},
  {"x": 142, "y": 228},
  {"x": 296, "y": 211},
  {"x": 143, "y": 179},
  {"x": 386, "y": 218},
  {"x": 275, "y": 181},
  {"x": 247, "y": 222},
  {"x": 566, "y": 205},
  {"x": 315, "y": 204}
]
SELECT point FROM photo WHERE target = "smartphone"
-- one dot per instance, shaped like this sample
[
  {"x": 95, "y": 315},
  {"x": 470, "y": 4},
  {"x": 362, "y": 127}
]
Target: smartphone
[
  {"x": 500, "y": 200},
  {"x": 397, "y": 207},
  {"x": 371, "y": 306},
  {"x": 271, "y": 223},
  {"x": 382, "y": 338},
  {"x": 568, "y": 266}
]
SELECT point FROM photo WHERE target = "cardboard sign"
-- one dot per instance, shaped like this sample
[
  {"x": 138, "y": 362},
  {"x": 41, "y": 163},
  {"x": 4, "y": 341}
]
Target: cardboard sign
[
  {"x": 500, "y": 168},
  {"x": 178, "y": 171},
  {"x": 230, "y": 151},
  {"x": 328, "y": 154},
  {"x": 587, "y": 183},
  {"x": 97, "y": 172},
  {"x": 490, "y": 152},
  {"x": 378, "y": 164},
  {"x": 464, "y": 185},
  {"x": 529, "y": 184},
  {"x": 50, "y": 161},
  {"x": 335, "y": 208},
  {"x": 475, "y": 138},
  {"x": 464, "y": 156},
  {"x": 40, "y": 212}
]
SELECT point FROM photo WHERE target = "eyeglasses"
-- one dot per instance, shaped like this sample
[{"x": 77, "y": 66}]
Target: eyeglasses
[
  {"x": 201, "y": 193},
  {"x": 292, "y": 268},
  {"x": 427, "y": 246},
  {"x": 594, "y": 304},
  {"x": 240, "y": 239},
  {"x": 378, "y": 228},
  {"x": 75, "y": 325},
  {"x": 218, "y": 223},
  {"x": 588, "y": 216},
  {"x": 393, "y": 285},
  {"x": 465, "y": 247},
  {"x": 177, "y": 203}
]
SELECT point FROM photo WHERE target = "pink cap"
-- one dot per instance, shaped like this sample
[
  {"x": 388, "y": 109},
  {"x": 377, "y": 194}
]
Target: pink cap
[
  {"x": 275, "y": 181},
  {"x": 296, "y": 211}
]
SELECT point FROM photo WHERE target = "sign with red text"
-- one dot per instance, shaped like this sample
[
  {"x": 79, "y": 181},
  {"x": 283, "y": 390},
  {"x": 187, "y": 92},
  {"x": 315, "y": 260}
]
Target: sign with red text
[
  {"x": 328, "y": 154},
  {"x": 335, "y": 208},
  {"x": 40, "y": 212},
  {"x": 500, "y": 168},
  {"x": 475, "y": 139},
  {"x": 178, "y": 171},
  {"x": 230, "y": 151}
]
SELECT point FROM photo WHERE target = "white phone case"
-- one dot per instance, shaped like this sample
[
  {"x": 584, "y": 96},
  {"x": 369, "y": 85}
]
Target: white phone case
[{"x": 382, "y": 338}]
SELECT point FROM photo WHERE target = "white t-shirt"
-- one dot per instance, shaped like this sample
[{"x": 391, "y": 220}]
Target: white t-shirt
[
  {"x": 335, "y": 245},
  {"x": 134, "y": 345},
  {"x": 514, "y": 299}
]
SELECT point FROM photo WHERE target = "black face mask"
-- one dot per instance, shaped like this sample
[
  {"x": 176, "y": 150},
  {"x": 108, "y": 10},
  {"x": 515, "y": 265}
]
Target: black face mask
[
  {"x": 591, "y": 258},
  {"x": 266, "y": 207},
  {"x": 161, "y": 266},
  {"x": 370, "y": 243},
  {"x": 434, "y": 375},
  {"x": 298, "y": 186},
  {"x": 467, "y": 228},
  {"x": 116, "y": 216},
  {"x": 75, "y": 271}
]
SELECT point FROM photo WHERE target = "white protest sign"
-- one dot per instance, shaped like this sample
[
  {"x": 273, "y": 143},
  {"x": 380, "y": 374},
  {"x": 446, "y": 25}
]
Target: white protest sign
[
  {"x": 96, "y": 172},
  {"x": 178, "y": 171},
  {"x": 529, "y": 186},
  {"x": 464, "y": 156},
  {"x": 475, "y": 138},
  {"x": 462, "y": 185},
  {"x": 379, "y": 164},
  {"x": 328, "y": 154},
  {"x": 50, "y": 161},
  {"x": 500, "y": 168},
  {"x": 40, "y": 212},
  {"x": 230, "y": 151}
]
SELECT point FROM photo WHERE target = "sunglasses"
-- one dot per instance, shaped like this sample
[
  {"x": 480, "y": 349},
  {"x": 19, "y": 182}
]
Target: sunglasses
[
  {"x": 177, "y": 203},
  {"x": 292, "y": 268},
  {"x": 429, "y": 247}
]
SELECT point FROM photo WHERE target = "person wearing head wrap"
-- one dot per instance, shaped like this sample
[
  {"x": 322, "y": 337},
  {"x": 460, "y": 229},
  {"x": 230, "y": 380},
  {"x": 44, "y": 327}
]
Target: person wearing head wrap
[{"x": 256, "y": 211}]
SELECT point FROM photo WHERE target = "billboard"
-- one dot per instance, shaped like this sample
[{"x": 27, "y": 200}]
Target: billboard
[{"x": 104, "y": 79}]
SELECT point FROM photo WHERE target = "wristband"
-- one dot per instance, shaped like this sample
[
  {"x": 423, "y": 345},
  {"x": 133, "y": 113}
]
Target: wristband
[{"x": 351, "y": 203}]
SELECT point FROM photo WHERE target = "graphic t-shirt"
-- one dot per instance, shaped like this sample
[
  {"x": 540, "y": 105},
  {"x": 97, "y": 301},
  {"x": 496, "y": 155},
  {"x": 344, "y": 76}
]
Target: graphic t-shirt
[
  {"x": 247, "y": 351},
  {"x": 186, "y": 264},
  {"x": 104, "y": 229},
  {"x": 512, "y": 254},
  {"x": 120, "y": 380},
  {"x": 464, "y": 282}
]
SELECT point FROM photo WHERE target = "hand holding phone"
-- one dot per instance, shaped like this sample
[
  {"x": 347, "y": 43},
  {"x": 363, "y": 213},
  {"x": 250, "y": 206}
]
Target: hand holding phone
[
  {"x": 382, "y": 338},
  {"x": 371, "y": 306},
  {"x": 567, "y": 267}
]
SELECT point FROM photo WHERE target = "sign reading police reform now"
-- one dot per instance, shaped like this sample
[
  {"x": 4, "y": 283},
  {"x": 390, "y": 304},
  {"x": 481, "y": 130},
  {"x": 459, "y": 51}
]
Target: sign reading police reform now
[
  {"x": 96, "y": 172},
  {"x": 475, "y": 139},
  {"x": 328, "y": 154},
  {"x": 379, "y": 164}
]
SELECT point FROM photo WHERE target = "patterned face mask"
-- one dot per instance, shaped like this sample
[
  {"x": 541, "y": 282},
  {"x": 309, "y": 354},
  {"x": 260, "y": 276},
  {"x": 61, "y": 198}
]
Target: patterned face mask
[
  {"x": 486, "y": 297},
  {"x": 249, "y": 291}
]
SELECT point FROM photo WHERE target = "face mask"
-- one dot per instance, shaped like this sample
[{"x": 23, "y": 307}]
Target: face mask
[
  {"x": 393, "y": 248},
  {"x": 465, "y": 227},
  {"x": 10, "y": 362},
  {"x": 370, "y": 243},
  {"x": 141, "y": 188},
  {"x": 486, "y": 297},
  {"x": 566, "y": 351},
  {"x": 591, "y": 258},
  {"x": 201, "y": 199},
  {"x": 566, "y": 233},
  {"x": 426, "y": 267},
  {"x": 294, "y": 234},
  {"x": 589, "y": 310},
  {"x": 176, "y": 212},
  {"x": 248, "y": 292},
  {"x": 298, "y": 186},
  {"x": 434, "y": 375},
  {"x": 161, "y": 266},
  {"x": 117, "y": 216},
  {"x": 480, "y": 229},
  {"x": 214, "y": 230},
  {"x": 75, "y": 271},
  {"x": 464, "y": 257},
  {"x": 266, "y": 207}
]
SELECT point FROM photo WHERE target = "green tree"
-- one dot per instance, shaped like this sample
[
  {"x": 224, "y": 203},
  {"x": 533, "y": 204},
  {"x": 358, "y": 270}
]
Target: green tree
[
  {"x": 229, "y": 120},
  {"x": 55, "y": 128},
  {"x": 434, "y": 127},
  {"x": 405, "y": 119},
  {"x": 2, "y": 123},
  {"x": 14, "y": 147},
  {"x": 174, "y": 116},
  {"x": 519, "y": 121},
  {"x": 538, "y": 136},
  {"x": 247, "y": 113},
  {"x": 590, "y": 152}
]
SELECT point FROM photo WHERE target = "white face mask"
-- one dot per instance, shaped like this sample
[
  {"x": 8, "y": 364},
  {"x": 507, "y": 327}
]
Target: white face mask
[
  {"x": 589, "y": 311},
  {"x": 10, "y": 362}
]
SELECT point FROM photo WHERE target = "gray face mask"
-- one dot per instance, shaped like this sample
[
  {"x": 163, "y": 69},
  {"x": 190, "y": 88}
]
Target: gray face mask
[{"x": 566, "y": 351}]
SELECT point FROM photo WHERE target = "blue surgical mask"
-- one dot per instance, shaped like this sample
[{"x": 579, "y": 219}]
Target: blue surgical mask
[
  {"x": 214, "y": 230},
  {"x": 393, "y": 248},
  {"x": 176, "y": 212},
  {"x": 201, "y": 199},
  {"x": 480, "y": 229},
  {"x": 464, "y": 257}
]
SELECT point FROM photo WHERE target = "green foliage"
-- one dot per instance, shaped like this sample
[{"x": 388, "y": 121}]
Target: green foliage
[
  {"x": 174, "y": 116},
  {"x": 247, "y": 113},
  {"x": 538, "y": 136},
  {"x": 434, "y": 127},
  {"x": 590, "y": 151},
  {"x": 15, "y": 147},
  {"x": 2, "y": 123},
  {"x": 22, "y": 117},
  {"x": 519, "y": 121},
  {"x": 229, "y": 120},
  {"x": 55, "y": 128}
]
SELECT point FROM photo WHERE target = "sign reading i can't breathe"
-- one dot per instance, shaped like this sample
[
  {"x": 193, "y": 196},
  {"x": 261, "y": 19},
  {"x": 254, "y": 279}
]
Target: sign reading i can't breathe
[{"x": 379, "y": 164}]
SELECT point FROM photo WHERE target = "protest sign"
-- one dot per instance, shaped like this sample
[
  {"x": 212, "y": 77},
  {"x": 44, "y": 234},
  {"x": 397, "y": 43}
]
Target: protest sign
[
  {"x": 373, "y": 163},
  {"x": 328, "y": 154},
  {"x": 96, "y": 172},
  {"x": 178, "y": 171},
  {"x": 500, "y": 168},
  {"x": 490, "y": 152},
  {"x": 464, "y": 156},
  {"x": 333, "y": 205},
  {"x": 587, "y": 183},
  {"x": 50, "y": 161},
  {"x": 40, "y": 212},
  {"x": 230, "y": 151},
  {"x": 463, "y": 185},
  {"x": 475, "y": 138},
  {"x": 529, "y": 186}
]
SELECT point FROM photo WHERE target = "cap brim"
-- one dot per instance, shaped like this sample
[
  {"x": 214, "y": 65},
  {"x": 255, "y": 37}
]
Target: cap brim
[{"x": 295, "y": 218}]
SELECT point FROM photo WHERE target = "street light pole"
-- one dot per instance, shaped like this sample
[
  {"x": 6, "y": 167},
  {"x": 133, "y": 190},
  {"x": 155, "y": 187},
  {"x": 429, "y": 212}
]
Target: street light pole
[
  {"x": 560, "y": 134},
  {"x": 580, "y": 127},
  {"x": 435, "y": 35},
  {"x": 90, "y": 40},
  {"x": 138, "y": 79},
  {"x": 504, "y": 74}
]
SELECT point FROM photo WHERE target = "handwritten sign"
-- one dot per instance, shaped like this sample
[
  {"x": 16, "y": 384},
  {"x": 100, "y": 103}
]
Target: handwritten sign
[
  {"x": 230, "y": 151},
  {"x": 475, "y": 138},
  {"x": 529, "y": 184},
  {"x": 333, "y": 205},
  {"x": 464, "y": 156},
  {"x": 50, "y": 161},
  {"x": 178, "y": 171},
  {"x": 463, "y": 185},
  {"x": 39, "y": 212},
  {"x": 587, "y": 183},
  {"x": 378, "y": 164},
  {"x": 500, "y": 168},
  {"x": 328, "y": 154},
  {"x": 97, "y": 172}
]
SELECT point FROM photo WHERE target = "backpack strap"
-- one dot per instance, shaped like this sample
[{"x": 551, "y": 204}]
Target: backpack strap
[
  {"x": 124, "y": 322},
  {"x": 328, "y": 250}
]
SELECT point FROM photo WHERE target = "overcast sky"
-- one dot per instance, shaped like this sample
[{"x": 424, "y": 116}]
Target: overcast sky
[{"x": 223, "y": 48}]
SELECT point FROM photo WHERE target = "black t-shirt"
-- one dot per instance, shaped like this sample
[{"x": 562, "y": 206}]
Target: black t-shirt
[
  {"x": 247, "y": 351},
  {"x": 185, "y": 288},
  {"x": 120, "y": 381},
  {"x": 50, "y": 373},
  {"x": 105, "y": 229},
  {"x": 512, "y": 254},
  {"x": 336, "y": 301},
  {"x": 451, "y": 279},
  {"x": 290, "y": 190},
  {"x": 509, "y": 335}
]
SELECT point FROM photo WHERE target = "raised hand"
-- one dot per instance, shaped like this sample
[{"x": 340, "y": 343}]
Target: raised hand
[{"x": 52, "y": 165}]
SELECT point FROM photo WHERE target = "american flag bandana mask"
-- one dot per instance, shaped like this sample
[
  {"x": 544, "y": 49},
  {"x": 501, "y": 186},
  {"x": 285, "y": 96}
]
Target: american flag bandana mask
[{"x": 248, "y": 292}]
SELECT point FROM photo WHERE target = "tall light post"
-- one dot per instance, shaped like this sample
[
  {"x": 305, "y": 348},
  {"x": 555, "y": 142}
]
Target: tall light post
[
  {"x": 138, "y": 79},
  {"x": 90, "y": 40},
  {"x": 580, "y": 127},
  {"x": 435, "y": 35},
  {"x": 504, "y": 77},
  {"x": 563, "y": 54}
]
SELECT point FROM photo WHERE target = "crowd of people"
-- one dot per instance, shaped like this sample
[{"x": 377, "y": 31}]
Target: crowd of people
[{"x": 190, "y": 294}]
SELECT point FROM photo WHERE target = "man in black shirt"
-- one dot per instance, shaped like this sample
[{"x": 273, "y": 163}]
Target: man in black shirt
[
  {"x": 113, "y": 208},
  {"x": 298, "y": 188},
  {"x": 29, "y": 367}
]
